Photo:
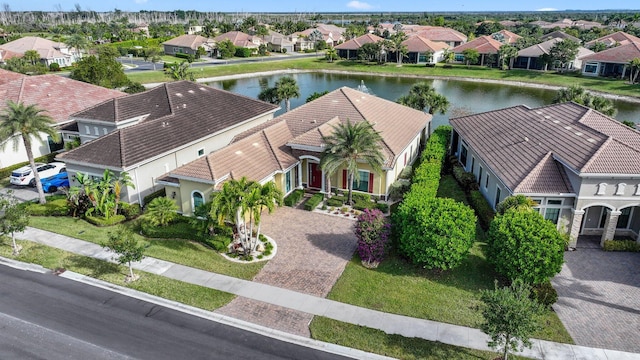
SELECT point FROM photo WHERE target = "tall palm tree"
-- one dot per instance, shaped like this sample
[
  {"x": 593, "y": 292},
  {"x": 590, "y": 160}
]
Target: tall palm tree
[
  {"x": 350, "y": 144},
  {"x": 437, "y": 103},
  {"x": 634, "y": 69},
  {"x": 78, "y": 42},
  {"x": 579, "y": 95},
  {"x": 398, "y": 47},
  {"x": 267, "y": 196},
  {"x": 29, "y": 122},
  {"x": 331, "y": 54},
  {"x": 287, "y": 88}
]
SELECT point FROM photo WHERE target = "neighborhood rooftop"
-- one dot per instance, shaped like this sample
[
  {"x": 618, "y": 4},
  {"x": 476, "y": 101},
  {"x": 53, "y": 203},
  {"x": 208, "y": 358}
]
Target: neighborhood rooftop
[
  {"x": 179, "y": 113},
  {"x": 523, "y": 140}
]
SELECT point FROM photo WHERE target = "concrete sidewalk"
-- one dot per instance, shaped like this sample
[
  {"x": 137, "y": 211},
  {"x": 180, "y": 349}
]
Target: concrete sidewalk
[{"x": 389, "y": 323}]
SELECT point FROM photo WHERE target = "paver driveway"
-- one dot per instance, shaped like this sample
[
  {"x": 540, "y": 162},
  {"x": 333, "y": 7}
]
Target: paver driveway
[
  {"x": 599, "y": 298},
  {"x": 313, "y": 250}
]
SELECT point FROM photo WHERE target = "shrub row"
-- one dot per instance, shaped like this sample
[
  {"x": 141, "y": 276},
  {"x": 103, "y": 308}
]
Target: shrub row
[
  {"x": 483, "y": 208},
  {"x": 53, "y": 207},
  {"x": 101, "y": 221},
  {"x": 243, "y": 52},
  {"x": 336, "y": 201},
  {"x": 313, "y": 202},
  {"x": 621, "y": 245},
  {"x": 147, "y": 199},
  {"x": 466, "y": 179},
  {"x": 294, "y": 198},
  {"x": 130, "y": 211},
  {"x": 426, "y": 176},
  {"x": 5, "y": 172}
]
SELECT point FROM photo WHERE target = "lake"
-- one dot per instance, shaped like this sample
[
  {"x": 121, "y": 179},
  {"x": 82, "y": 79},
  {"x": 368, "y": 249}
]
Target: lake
[{"x": 465, "y": 97}]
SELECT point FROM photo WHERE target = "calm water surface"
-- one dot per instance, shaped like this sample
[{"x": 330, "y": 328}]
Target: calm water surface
[{"x": 465, "y": 97}]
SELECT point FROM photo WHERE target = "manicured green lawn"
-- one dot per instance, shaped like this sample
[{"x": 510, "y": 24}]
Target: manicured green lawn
[
  {"x": 400, "y": 287},
  {"x": 614, "y": 86},
  {"x": 175, "y": 250},
  {"x": 51, "y": 258},
  {"x": 377, "y": 341}
]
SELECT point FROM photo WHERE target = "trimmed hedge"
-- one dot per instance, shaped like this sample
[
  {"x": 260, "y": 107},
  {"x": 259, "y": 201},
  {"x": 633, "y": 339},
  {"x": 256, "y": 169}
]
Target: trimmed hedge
[
  {"x": 384, "y": 207},
  {"x": 335, "y": 201},
  {"x": 130, "y": 211},
  {"x": 101, "y": 221},
  {"x": 243, "y": 52},
  {"x": 5, "y": 172},
  {"x": 294, "y": 198},
  {"x": 466, "y": 179},
  {"x": 621, "y": 245},
  {"x": 53, "y": 207},
  {"x": 313, "y": 202},
  {"x": 483, "y": 209},
  {"x": 147, "y": 199}
]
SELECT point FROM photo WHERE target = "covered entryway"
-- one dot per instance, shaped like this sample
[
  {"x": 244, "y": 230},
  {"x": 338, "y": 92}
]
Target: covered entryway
[
  {"x": 315, "y": 176},
  {"x": 606, "y": 223}
]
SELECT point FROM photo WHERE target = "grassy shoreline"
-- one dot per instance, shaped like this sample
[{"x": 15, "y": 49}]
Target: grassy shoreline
[{"x": 615, "y": 87}]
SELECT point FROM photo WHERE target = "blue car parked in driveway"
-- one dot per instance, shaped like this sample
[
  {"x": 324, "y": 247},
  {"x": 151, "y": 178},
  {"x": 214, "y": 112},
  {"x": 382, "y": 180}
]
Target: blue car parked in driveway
[{"x": 55, "y": 182}]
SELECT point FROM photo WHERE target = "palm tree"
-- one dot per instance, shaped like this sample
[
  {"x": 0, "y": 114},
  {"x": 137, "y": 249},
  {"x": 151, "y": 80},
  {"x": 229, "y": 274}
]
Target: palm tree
[
  {"x": 180, "y": 71},
  {"x": 78, "y": 42},
  {"x": 287, "y": 88},
  {"x": 267, "y": 196},
  {"x": 421, "y": 96},
  {"x": 398, "y": 47},
  {"x": 29, "y": 122},
  {"x": 579, "y": 95},
  {"x": 350, "y": 144},
  {"x": 634, "y": 64},
  {"x": 161, "y": 211},
  {"x": 331, "y": 54}
]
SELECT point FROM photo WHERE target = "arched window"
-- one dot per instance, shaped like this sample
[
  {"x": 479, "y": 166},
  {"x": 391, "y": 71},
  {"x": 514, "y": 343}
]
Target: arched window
[
  {"x": 602, "y": 187},
  {"x": 197, "y": 199}
]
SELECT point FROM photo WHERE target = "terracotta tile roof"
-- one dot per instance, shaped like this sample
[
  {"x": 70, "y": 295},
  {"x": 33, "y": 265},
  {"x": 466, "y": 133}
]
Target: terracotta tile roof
[
  {"x": 561, "y": 35},
  {"x": 58, "y": 96},
  {"x": 548, "y": 177},
  {"x": 617, "y": 37},
  {"x": 188, "y": 41},
  {"x": 437, "y": 33},
  {"x": 420, "y": 44},
  {"x": 7, "y": 76},
  {"x": 238, "y": 38},
  {"x": 46, "y": 48},
  {"x": 619, "y": 54},
  {"x": 508, "y": 36},
  {"x": 514, "y": 141},
  {"x": 261, "y": 151},
  {"x": 8, "y": 54},
  {"x": 355, "y": 44},
  {"x": 484, "y": 45},
  {"x": 538, "y": 50},
  {"x": 194, "y": 111}
]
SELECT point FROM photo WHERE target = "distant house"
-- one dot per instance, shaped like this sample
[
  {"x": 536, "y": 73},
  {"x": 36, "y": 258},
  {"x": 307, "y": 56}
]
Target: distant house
[
  {"x": 613, "y": 62},
  {"x": 59, "y": 97},
  {"x": 151, "y": 133},
  {"x": 424, "y": 51},
  {"x": 288, "y": 150},
  {"x": 487, "y": 47},
  {"x": 506, "y": 37},
  {"x": 240, "y": 39},
  {"x": 448, "y": 36},
  {"x": 349, "y": 49},
  {"x": 532, "y": 58},
  {"x": 50, "y": 52},
  {"x": 188, "y": 44},
  {"x": 580, "y": 167},
  {"x": 559, "y": 35},
  {"x": 194, "y": 29},
  {"x": 615, "y": 39},
  {"x": 7, "y": 54},
  {"x": 331, "y": 34},
  {"x": 278, "y": 42},
  {"x": 142, "y": 29}
]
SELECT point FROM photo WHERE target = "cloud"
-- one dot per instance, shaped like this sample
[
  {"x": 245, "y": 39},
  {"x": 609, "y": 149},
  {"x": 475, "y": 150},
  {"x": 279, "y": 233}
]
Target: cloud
[
  {"x": 547, "y": 9},
  {"x": 140, "y": 1},
  {"x": 359, "y": 5}
]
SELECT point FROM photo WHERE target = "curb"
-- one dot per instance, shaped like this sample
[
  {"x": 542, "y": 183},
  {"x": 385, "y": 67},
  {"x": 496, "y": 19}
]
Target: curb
[{"x": 204, "y": 314}]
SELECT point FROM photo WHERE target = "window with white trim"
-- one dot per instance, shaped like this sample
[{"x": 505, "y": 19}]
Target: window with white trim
[
  {"x": 602, "y": 188},
  {"x": 197, "y": 199},
  {"x": 363, "y": 181},
  {"x": 200, "y": 152}
]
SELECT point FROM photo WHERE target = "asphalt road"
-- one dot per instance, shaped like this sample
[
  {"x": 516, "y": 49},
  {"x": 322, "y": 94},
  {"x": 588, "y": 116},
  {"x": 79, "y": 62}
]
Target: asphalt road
[{"x": 43, "y": 316}]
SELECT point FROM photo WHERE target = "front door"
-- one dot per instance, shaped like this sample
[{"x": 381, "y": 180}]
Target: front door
[{"x": 315, "y": 176}]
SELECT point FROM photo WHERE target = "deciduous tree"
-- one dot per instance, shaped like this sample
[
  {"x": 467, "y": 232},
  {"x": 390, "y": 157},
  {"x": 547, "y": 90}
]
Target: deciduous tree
[
  {"x": 13, "y": 218},
  {"x": 123, "y": 242}
]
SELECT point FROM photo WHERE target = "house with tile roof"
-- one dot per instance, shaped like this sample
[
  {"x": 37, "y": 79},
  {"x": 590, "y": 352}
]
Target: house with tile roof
[
  {"x": 349, "y": 49},
  {"x": 613, "y": 40},
  {"x": 154, "y": 132},
  {"x": 278, "y": 42},
  {"x": 58, "y": 96},
  {"x": 487, "y": 47},
  {"x": 506, "y": 37},
  {"x": 421, "y": 50},
  {"x": 448, "y": 36},
  {"x": 188, "y": 44},
  {"x": 560, "y": 35},
  {"x": 50, "y": 51},
  {"x": 331, "y": 34},
  {"x": 240, "y": 39},
  {"x": 288, "y": 150},
  {"x": 613, "y": 62},
  {"x": 532, "y": 58},
  {"x": 581, "y": 167}
]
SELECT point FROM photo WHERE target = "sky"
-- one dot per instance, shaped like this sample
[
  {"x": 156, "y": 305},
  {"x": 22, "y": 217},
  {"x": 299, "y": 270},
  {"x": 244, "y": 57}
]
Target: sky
[{"x": 322, "y": 6}]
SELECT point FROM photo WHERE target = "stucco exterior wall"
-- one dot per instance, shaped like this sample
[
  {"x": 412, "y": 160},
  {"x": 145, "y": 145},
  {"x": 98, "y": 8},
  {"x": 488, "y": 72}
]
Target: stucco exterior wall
[{"x": 11, "y": 156}]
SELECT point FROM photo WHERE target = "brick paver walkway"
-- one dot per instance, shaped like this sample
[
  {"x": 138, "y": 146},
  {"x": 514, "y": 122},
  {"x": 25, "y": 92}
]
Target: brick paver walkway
[
  {"x": 313, "y": 250},
  {"x": 599, "y": 298}
]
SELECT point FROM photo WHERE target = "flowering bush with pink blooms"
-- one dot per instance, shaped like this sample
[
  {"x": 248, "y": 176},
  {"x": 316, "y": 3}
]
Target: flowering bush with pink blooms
[{"x": 372, "y": 230}]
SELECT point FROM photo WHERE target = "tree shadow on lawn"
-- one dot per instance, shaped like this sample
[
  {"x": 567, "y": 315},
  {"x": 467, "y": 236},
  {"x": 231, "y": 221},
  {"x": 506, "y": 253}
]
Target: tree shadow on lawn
[
  {"x": 97, "y": 268},
  {"x": 473, "y": 274}
]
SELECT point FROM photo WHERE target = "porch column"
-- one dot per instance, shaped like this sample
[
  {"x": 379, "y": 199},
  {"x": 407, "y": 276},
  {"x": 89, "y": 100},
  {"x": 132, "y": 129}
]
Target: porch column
[
  {"x": 299, "y": 183},
  {"x": 575, "y": 227},
  {"x": 610, "y": 226},
  {"x": 323, "y": 186},
  {"x": 528, "y": 62}
]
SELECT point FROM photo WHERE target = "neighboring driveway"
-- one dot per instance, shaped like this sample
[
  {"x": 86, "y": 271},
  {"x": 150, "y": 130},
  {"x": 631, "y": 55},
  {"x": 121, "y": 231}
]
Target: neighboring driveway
[
  {"x": 599, "y": 298},
  {"x": 22, "y": 193},
  {"x": 313, "y": 250}
]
